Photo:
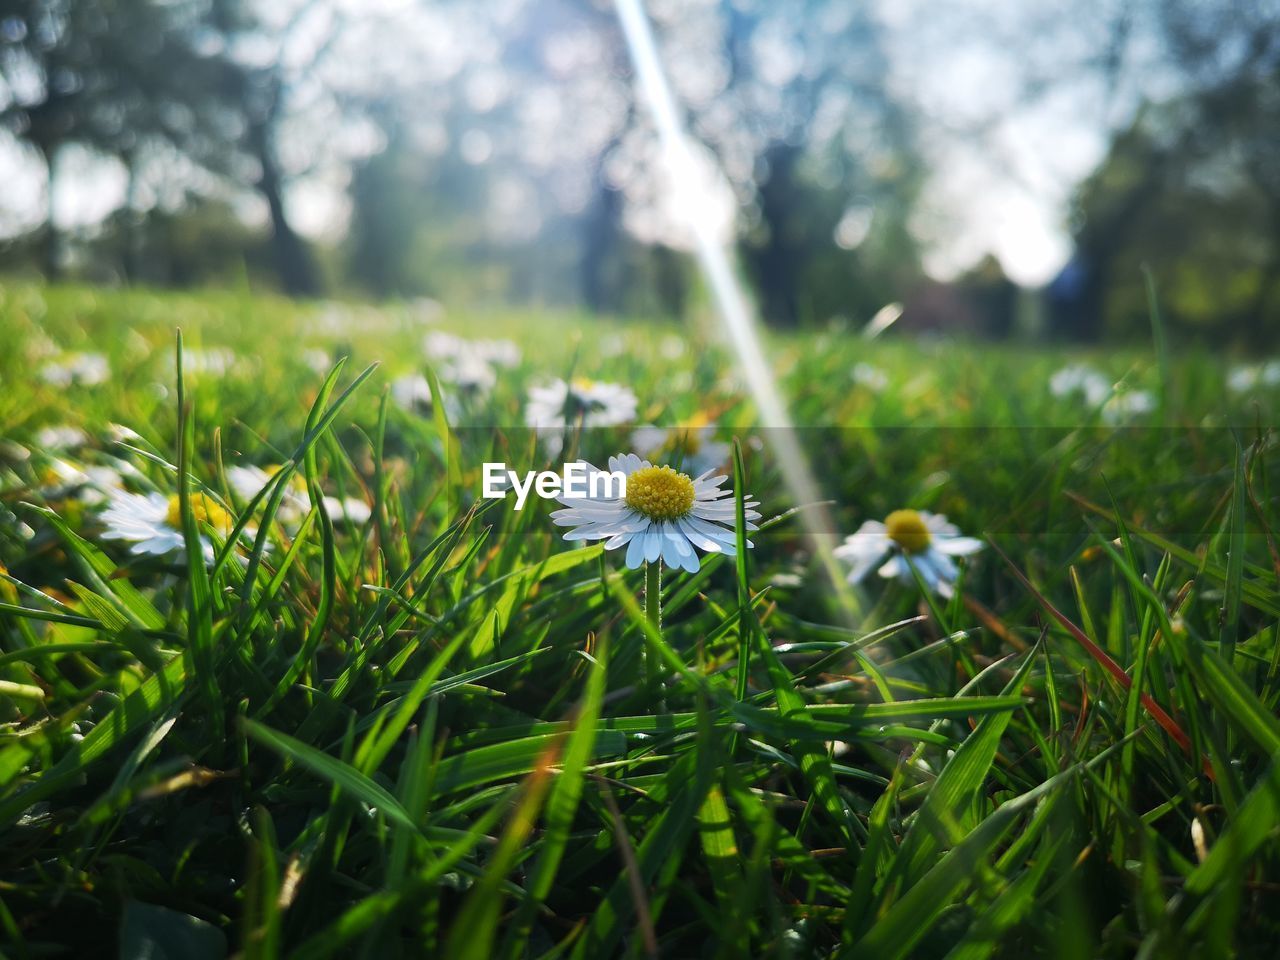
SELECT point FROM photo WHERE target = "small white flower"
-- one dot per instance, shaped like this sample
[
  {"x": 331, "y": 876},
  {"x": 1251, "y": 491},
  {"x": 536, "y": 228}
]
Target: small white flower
[
  {"x": 445, "y": 346},
  {"x": 1126, "y": 405},
  {"x": 469, "y": 364},
  {"x": 560, "y": 405},
  {"x": 247, "y": 481},
  {"x": 663, "y": 516},
  {"x": 412, "y": 392},
  {"x": 92, "y": 485},
  {"x": 52, "y": 439},
  {"x": 908, "y": 538},
  {"x": 151, "y": 523},
  {"x": 353, "y": 511},
  {"x": 1248, "y": 377},
  {"x": 83, "y": 369},
  {"x": 470, "y": 373},
  {"x": 873, "y": 378},
  {"x": 1082, "y": 380},
  {"x": 693, "y": 446}
]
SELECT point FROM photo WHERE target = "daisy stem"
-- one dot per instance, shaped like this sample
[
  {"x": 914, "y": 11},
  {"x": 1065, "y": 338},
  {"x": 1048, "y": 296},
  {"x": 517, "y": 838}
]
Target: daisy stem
[{"x": 653, "y": 613}]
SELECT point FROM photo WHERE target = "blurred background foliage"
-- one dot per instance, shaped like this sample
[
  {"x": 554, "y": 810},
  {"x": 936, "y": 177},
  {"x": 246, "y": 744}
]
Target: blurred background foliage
[{"x": 494, "y": 151}]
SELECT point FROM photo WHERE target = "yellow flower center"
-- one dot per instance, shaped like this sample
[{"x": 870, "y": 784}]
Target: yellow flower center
[
  {"x": 660, "y": 493},
  {"x": 206, "y": 512},
  {"x": 576, "y": 401},
  {"x": 907, "y": 529}
]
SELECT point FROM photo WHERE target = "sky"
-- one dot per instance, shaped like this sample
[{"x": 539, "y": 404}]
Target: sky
[{"x": 1004, "y": 190}]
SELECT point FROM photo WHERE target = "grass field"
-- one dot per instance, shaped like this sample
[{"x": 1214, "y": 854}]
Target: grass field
[{"x": 384, "y": 717}]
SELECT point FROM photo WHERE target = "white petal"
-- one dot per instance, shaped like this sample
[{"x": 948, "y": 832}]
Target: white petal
[
  {"x": 652, "y": 545},
  {"x": 670, "y": 549},
  {"x": 939, "y": 525},
  {"x": 697, "y": 537},
  {"x": 635, "y": 552},
  {"x": 859, "y": 545},
  {"x": 863, "y": 563},
  {"x": 959, "y": 546},
  {"x": 896, "y": 566}
]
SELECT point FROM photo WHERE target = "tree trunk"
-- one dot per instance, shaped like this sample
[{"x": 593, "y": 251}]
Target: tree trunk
[
  {"x": 133, "y": 223},
  {"x": 598, "y": 268},
  {"x": 775, "y": 262},
  {"x": 51, "y": 240},
  {"x": 294, "y": 267}
]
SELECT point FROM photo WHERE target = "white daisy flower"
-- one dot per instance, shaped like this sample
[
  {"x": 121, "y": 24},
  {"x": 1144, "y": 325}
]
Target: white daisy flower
[
  {"x": 559, "y": 405},
  {"x": 353, "y": 511},
  {"x": 1127, "y": 404},
  {"x": 469, "y": 364},
  {"x": 1250, "y": 376},
  {"x": 445, "y": 346},
  {"x": 873, "y": 378},
  {"x": 92, "y": 484},
  {"x": 52, "y": 439},
  {"x": 83, "y": 369},
  {"x": 412, "y": 392},
  {"x": 470, "y": 373},
  {"x": 663, "y": 516},
  {"x": 908, "y": 538},
  {"x": 247, "y": 481},
  {"x": 1082, "y": 380},
  {"x": 693, "y": 445},
  {"x": 152, "y": 523}
]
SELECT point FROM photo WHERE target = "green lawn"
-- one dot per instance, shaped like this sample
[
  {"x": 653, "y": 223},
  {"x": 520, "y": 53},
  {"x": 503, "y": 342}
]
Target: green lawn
[{"x": 388, "y": 718}]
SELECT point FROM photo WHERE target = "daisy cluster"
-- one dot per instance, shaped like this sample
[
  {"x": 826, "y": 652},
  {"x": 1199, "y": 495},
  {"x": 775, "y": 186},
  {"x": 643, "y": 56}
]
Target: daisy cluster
[
  {"x": 108, "y": 495},
  {"x": 469, "y": 367},
  {"x": 1117, "y": 403},
  {"x": 561, "y": 406},
  {"x": 676, "y": 504}
]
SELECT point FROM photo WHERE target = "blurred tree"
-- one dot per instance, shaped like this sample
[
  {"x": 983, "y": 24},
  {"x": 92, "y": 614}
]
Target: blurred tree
[
  {"x": 1191, "y": 188},
  {"x": 109, "y": 75},
  {"x": 260, "y": 68},
  {"x": 825, "y": 155}
]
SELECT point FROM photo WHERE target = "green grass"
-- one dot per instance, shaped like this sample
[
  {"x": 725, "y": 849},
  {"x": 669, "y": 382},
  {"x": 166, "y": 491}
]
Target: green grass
[{"x": 445, "y": 731}]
